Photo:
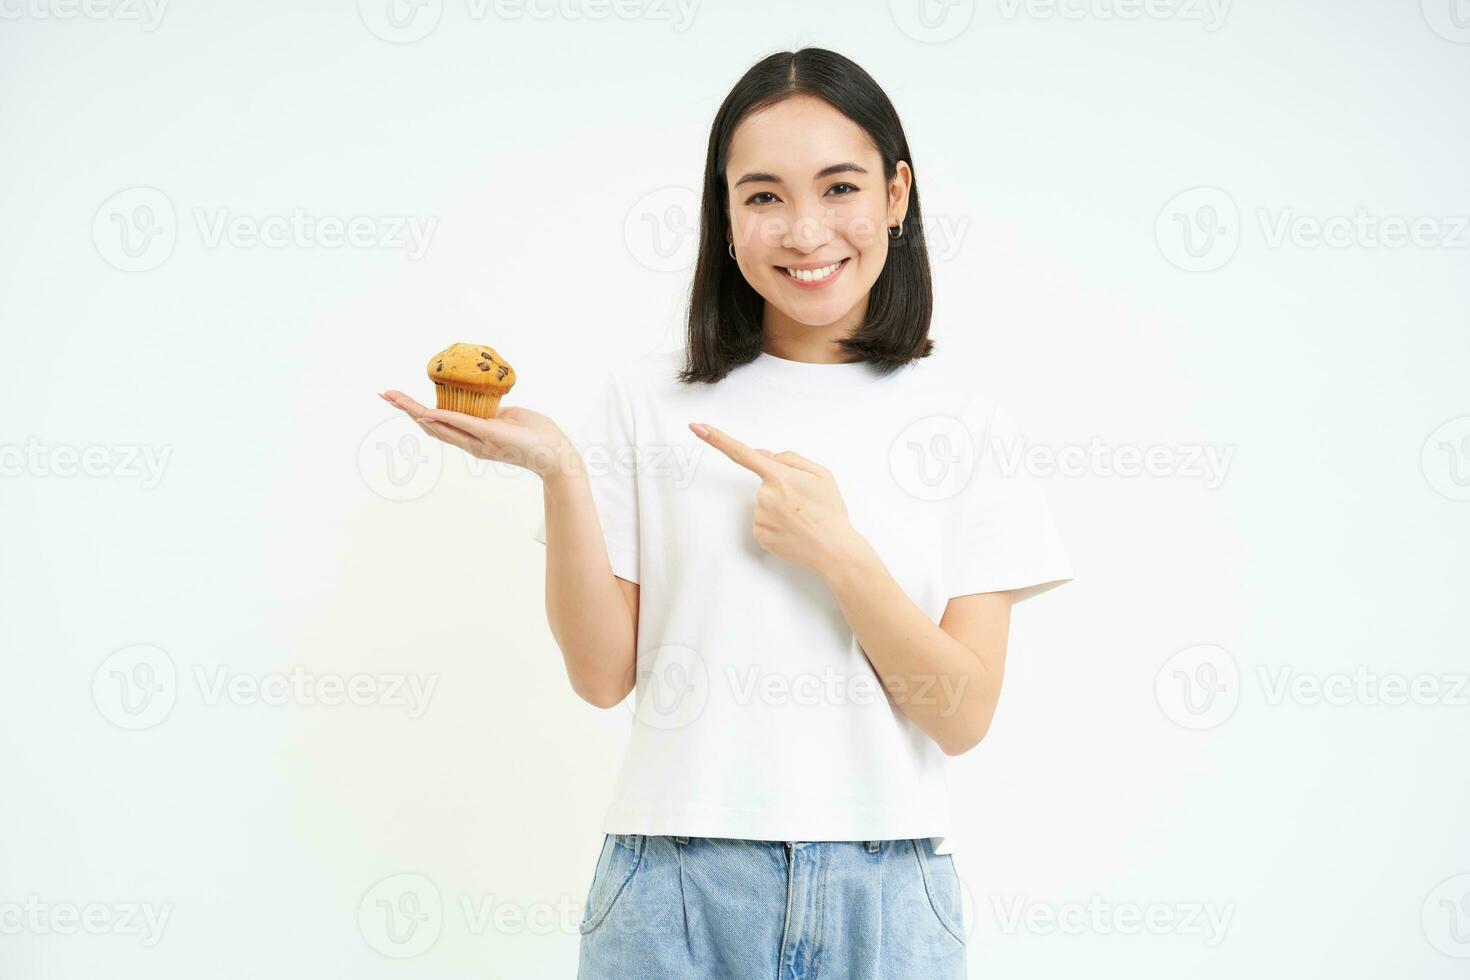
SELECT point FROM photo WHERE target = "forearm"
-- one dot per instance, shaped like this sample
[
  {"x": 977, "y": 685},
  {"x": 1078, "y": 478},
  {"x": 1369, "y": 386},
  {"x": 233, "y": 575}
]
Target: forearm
[
  {"x": 933, "y": 678},
  {"x": 585, "y": 608}
]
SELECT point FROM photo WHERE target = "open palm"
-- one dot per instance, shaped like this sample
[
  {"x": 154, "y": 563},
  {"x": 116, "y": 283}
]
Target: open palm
[{"x": 516, "y": 435}]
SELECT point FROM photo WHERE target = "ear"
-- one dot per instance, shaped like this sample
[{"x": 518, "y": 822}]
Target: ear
[{"x": 898, "y": 193}]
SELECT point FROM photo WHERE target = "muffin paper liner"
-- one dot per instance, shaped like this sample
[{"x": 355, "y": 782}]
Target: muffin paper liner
[{"x": 481, "y": 404}]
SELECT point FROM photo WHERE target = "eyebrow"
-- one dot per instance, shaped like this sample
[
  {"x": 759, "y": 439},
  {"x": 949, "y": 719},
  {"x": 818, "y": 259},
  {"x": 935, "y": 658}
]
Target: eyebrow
[{"x": 836, "y": 168}]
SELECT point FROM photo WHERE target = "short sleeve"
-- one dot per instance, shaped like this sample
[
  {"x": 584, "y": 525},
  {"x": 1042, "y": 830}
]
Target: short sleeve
[
  {"x": 1005, "y": 536},
  {"x": 605, "y": 439}
]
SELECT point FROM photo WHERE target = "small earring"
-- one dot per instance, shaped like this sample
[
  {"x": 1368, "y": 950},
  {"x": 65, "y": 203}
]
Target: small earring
[
  {"x": 731, "y": 249},
  {"x": 900, "y": 232}
]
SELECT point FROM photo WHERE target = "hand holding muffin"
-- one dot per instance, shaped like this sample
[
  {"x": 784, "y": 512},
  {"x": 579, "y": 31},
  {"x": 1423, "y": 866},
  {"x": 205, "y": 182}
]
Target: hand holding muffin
[{"x": 469, "y": 382}]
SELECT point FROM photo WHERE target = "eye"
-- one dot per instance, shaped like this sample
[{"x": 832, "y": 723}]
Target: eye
[
  {"x": 851, "y": 189},
  {"x": 752, "y": 198}
]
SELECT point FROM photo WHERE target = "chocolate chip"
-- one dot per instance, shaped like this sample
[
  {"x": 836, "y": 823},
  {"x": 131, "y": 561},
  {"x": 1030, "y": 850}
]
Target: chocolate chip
[
  {"x": 485, "y": 356},
  {"x": 440, "y": 367},
  {"x": 484, "y": 365},
  {"x": 503, "y": 372}
]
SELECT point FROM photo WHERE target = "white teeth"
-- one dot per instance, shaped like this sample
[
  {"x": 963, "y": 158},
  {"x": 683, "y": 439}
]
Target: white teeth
[{"x": 813, "y": 275}]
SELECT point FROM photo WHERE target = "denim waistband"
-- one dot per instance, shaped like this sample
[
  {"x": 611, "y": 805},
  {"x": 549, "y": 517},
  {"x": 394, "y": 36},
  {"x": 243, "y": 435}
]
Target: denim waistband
[{"x": 871, "y": 845}]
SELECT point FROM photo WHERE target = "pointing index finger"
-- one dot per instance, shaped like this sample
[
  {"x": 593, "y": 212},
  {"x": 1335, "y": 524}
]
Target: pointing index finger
[{"x": 738, "y": 451}]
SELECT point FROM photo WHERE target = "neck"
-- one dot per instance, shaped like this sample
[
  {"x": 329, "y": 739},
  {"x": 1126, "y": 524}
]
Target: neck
[{"x": 795, "y": 341}]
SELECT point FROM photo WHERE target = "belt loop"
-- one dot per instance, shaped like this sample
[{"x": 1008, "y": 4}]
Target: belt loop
[
  {"x": 682, "y": 840},
  {"x": 872, "y": 847}
]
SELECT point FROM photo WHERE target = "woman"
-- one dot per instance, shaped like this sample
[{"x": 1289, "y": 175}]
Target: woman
[{"x": 809, "y": 633}]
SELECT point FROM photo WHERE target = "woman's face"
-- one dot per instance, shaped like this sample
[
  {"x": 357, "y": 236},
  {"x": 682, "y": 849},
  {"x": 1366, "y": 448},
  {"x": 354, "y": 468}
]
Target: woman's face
[{"x": 807, "y": 194}]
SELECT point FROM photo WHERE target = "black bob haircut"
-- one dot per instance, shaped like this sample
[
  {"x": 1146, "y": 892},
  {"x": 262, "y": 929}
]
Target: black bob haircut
[{"x": 724, "y": 329}]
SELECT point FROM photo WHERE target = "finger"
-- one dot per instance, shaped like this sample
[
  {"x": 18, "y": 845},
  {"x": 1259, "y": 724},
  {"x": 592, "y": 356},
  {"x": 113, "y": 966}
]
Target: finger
[
  {"x": 401, "y": 401},
  {"x": 800, "y": 462},
  {"x": 472, "y": 425},
  {"x": 762, "y": 466},
  {"x": 449, "y": 434}
]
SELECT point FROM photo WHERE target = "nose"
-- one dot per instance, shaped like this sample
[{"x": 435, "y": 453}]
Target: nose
[{"x": 808, "y": 230}]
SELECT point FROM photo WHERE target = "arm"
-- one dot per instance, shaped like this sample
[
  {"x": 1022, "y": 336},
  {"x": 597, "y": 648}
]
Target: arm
[
  {"x": 946, "y": 678},
  {"x": 592, "y": 613}
]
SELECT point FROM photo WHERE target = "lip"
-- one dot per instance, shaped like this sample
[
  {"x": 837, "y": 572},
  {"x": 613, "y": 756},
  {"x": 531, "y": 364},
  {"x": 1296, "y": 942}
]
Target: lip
[{"x": 823, "y": 284}]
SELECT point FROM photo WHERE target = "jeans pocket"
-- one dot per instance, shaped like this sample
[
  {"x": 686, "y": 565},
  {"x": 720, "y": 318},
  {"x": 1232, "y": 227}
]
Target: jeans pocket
[
  {"x": 942, "y": 885},
  {"x": 619, "y": 858}
]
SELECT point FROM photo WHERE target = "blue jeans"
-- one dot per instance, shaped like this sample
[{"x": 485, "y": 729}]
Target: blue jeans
[{"x": 689, "y": 908}]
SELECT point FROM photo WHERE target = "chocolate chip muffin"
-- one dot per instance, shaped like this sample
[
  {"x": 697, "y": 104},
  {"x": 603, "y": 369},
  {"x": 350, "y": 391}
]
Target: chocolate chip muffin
[{"x": 470, "y": 378}]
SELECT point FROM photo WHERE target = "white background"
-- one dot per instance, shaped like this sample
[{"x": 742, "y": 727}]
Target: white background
[{"x": 557, "y": 157}]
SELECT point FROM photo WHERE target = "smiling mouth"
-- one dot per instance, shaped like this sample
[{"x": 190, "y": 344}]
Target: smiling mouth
[{"x": 813, "y": 275}]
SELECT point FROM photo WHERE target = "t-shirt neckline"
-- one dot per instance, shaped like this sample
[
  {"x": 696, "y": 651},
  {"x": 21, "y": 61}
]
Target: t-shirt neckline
[{"x": 810, "y": 376}]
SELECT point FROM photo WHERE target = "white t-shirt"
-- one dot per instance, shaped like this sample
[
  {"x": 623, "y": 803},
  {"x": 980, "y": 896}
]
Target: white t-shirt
[{"x": 757, "y": 715}]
